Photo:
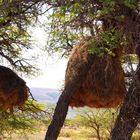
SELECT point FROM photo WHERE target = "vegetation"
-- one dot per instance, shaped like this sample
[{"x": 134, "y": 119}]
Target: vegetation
[
  {"x": 92, "y": 124},
  {"x": 88, "y": 124},
  {"x": 16, "y": 18},
  {"x": 24, "y": 120},
  {"x": 112, "y": 20},
  {"x": 116, "y": 22}
]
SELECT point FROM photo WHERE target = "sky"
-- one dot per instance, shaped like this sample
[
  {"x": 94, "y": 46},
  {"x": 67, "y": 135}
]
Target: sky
[
  {"x": 52, "y": 68},
  {"x": 52, "y": 75}
]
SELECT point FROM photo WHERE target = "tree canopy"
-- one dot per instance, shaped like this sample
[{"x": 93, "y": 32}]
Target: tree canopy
[
  {"x": 67, "y": 22},
  {"x": 15, "y": 40},
  {"x": 73, "y": 19},
  {"x": 117, "y": 23}
]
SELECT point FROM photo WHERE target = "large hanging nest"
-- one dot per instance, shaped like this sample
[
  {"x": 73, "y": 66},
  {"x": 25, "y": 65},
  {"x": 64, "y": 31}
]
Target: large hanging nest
[
  {"x": 103, "y": 85},
  {"x": 13, "y": 89}
]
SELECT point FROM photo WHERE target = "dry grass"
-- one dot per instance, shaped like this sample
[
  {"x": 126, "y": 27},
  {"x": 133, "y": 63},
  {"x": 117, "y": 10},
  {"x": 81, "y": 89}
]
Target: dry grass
[
  {"x": 67, "y": 133},
  {"x": 76, "y": 134}
]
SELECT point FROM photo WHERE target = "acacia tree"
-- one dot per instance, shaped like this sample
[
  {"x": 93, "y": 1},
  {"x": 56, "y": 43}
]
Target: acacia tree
[
  {"x": 70, "y": 17},
  {"x": 15, "y": 40},
  {"x": 24, "y": 121},
  {"x": 15, "y": 18},
  {"x": 93, "y": 17},
  {"x": 100, "y": 122}
]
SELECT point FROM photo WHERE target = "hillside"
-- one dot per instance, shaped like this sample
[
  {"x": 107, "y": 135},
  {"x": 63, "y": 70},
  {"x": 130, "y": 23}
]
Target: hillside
[
  {"x": 50, "y": 96},
  {"x": 44, "y": 94}
]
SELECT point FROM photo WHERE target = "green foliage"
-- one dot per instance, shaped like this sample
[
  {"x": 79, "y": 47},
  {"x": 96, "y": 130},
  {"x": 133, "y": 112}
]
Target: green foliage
[
  {"x": 129, "y": 3},
  {"x": 120, "y": 18},
  {"x": 61, "y": 37},
  {"x": 108, "y": 7},
  {"x": 92, "y": 123},
  {"x": 68, "y": 21},
  {"x": 26, "y": 119},
  {"x": 74, "y": 19},
  {"x": 131, "y": 57},
  {"x": 68, "y": 25},
  {"x": 15, "y": 39},
  {"x": 100, "y": 121},
  {"x": 106, "y": 43}
]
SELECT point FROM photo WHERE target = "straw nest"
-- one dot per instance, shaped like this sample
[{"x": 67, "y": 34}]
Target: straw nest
[
  {"x": 103, "y": 85},
  {"x": 13, "y": 89}
]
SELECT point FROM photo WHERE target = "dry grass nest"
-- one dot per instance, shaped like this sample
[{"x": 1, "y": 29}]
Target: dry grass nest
[
  {"x": 104, "y": 85},
  {"x": 13, "y": 89}
]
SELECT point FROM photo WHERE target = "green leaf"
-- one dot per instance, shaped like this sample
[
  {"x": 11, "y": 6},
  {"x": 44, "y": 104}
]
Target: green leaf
[{"x": 129, "y": 3}]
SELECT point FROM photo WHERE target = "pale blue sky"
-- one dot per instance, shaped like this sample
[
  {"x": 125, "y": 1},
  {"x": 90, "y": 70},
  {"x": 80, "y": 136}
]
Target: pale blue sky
[{"x": 52, "y": 68}]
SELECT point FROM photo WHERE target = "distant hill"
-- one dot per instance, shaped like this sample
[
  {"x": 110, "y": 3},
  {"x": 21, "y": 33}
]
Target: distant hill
[
  {"x": 45, "y": 94},
  {"x": 49, "y": 96}
]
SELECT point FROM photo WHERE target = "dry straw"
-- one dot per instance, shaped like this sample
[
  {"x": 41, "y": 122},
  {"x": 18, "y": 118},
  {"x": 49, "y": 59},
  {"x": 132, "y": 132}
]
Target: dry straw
[
  {"x": 104, "y": 84},
  {"x": 13, "y": 89}
]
